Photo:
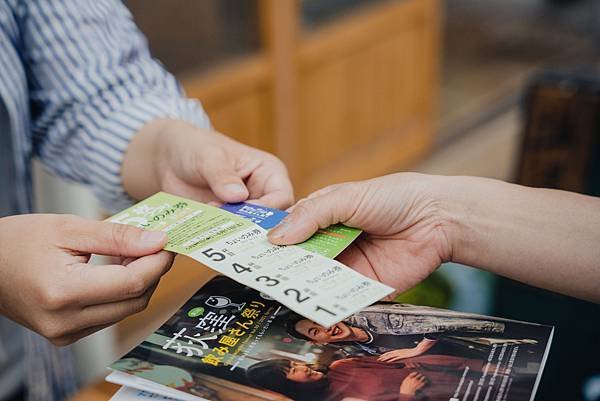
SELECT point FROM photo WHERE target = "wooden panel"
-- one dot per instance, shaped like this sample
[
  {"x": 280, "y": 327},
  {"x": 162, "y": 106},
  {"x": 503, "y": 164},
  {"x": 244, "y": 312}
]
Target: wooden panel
[
  {"x": 362, "y": 29},
  {"x": 280, "y": 19},
  {"x": 429, "y": 49},
  {"x": 223, "y": 84},
  {"x": 356, "y": 94},
  {"x": 386, "y": 154},
  {"x": 348, "y": 102},
  {"x": 315, "y": 98},
  {"x": 322, "y": 120},
  {"x": 239, "y": 100},
  {"x": 246, "y": 118}
]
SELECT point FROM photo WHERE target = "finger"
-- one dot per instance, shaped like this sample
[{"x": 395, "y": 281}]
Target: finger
[
  {"x": 112, "y": 239},
  {"x": 72, "y": 338},
  {"x": 90, "y": 319},
  {"x": 97, "y": 315},
  {"x": 325, "y": 191},
  {"x": 224, "y": 181},
  {"x": 112, "y": 283},
  {"x": 276, "y": 199},
  {"x": 309, "y": 215},
  {"x": 388, "y": 356},
  {"x": 316, "y": 194},
  {"x": 270, "y": 185},
  {"x": 197, "y": 193}
]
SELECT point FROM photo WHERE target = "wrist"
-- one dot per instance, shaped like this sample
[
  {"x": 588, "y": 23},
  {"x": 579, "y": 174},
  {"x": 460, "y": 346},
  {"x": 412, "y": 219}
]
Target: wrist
[
  {"x": 457, "y": 206},
  {"x": 474, "y": 212},
  {"x": 143, "y": 160},
  {"x": 407, "y": 392}
]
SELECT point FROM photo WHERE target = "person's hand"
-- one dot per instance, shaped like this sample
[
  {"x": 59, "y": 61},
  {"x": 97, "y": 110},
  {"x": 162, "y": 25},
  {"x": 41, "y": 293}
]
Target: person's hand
[
  {"x": 404, "y": 237},
  {"x": 397, "y": 355},
  {"x": 47, "y": 285},
  {"x": 425, "y": 345},
  {"x": 403, "y": 353},
  {"x": 176, "y": 157},
  {"x": 412, "y": 383},
  {"x": 414, "y": 222}
]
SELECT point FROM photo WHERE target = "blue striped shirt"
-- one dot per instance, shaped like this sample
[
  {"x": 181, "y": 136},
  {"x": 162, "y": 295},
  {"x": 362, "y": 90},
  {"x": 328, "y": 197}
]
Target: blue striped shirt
[{"x": 77, "y": 82}]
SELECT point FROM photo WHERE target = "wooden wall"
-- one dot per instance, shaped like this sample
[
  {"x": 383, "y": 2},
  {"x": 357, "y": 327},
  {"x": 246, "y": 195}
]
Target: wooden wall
[{"x": 347, "y": 101}]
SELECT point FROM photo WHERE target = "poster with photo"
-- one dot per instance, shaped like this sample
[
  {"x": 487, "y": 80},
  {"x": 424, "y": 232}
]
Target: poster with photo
[{"x": 230, "y": 342}]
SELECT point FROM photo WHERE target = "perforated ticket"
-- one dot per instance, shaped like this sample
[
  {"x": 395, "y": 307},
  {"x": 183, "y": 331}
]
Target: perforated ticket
[{"x": 315, "y": 286}]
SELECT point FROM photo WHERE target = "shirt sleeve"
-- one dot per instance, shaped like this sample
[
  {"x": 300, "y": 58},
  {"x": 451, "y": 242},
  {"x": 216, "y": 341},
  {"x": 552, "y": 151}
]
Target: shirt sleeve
[{"x": 93, "y": 84}]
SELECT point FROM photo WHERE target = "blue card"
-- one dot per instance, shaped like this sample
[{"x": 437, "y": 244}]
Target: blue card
[{"x": 265, "y": 217}]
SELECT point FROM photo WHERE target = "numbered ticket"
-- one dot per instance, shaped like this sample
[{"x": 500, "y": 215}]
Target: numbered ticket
[{"x": 315, "y": 286}]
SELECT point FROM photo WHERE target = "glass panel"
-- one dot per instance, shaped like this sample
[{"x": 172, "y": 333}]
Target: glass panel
[
  {"x": 316, "y": 12},
  {"x": 190, "y": 35}
]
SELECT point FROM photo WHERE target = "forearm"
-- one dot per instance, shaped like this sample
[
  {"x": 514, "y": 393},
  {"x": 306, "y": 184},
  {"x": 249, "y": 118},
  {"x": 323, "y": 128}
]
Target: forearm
[
  {"x": 547, "y": 238},
  {"x": 140, "y": 168}
]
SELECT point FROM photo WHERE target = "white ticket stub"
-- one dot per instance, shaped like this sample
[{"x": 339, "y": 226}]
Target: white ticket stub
[{"x": 319, "y": 288}]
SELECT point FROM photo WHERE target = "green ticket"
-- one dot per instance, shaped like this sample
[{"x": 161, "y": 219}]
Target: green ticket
[
  {"x": 191, "y": 225},
  {"x": 331, "y": 241}
]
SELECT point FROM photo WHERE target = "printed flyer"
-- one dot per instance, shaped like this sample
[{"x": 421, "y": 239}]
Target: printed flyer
[{"x": 230, "y": 342}]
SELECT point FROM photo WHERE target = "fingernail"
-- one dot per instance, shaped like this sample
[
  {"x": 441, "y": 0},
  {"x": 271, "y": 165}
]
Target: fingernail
[
  {"x": 153, "y": 237},
  {"x": 235, "y": 189},
  {"x": 280, "y": 230}
]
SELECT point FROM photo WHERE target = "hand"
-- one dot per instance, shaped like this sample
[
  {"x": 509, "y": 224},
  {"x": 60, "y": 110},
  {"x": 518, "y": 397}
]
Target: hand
[
  {"x": 47, "y": 285},
  {"x": 405, "y": 236},
  {"x": 176, "y": 157},
  {"x": 412, "y": 383},
  {"x": 414, "y": 222},
  {"x": 399, "y": 354},
  {"x": 425, "y": 345}
]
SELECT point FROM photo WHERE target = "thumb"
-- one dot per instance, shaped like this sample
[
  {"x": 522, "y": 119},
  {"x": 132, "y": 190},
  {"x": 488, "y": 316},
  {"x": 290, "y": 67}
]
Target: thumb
[
  {"x": 224, "y": 182},
  {"x": 319, "y": 210},
  {"x": 113, "y": 239}
]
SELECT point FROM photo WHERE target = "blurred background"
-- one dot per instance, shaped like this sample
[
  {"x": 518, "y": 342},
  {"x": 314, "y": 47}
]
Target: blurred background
[{"x": 349, "y": 89}]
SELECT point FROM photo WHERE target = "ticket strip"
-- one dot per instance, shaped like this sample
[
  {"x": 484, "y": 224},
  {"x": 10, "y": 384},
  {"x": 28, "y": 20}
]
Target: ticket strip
[{"x": 312, "y": 285}]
